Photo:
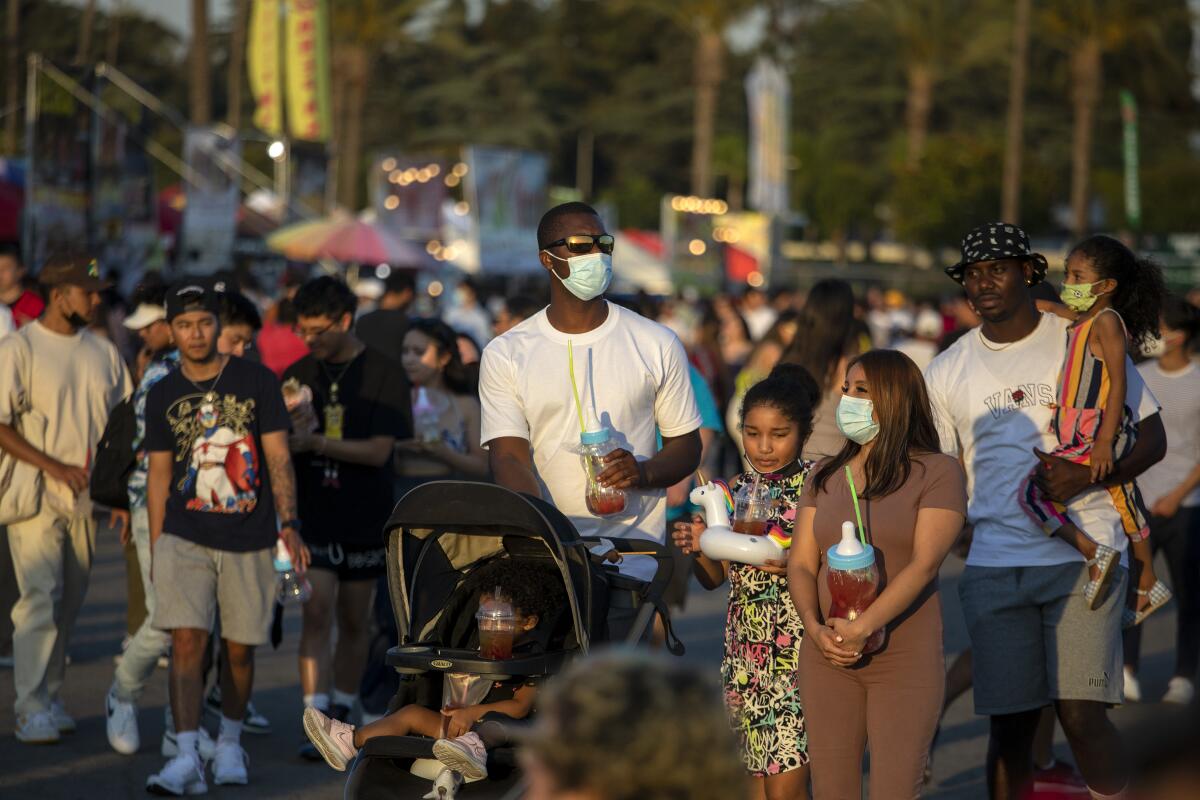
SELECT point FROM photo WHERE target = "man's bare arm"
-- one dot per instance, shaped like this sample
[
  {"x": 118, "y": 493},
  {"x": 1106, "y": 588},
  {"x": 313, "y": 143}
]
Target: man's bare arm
[
  {"x": 283, "y": 478},
  {"x": 158, "y": 486},
  {"x": 512, "y": 465}
]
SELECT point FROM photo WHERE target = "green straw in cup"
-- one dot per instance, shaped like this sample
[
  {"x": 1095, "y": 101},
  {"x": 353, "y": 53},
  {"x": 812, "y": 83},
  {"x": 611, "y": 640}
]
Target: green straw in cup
[
  {"x": 575, "y": 386},
  {"x": 857, "y": 512}
]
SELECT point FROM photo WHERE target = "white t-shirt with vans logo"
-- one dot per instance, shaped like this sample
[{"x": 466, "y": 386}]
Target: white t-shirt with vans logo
[
  {"x": 993, "y": 404},
  {"x": 632, "y": 371}
]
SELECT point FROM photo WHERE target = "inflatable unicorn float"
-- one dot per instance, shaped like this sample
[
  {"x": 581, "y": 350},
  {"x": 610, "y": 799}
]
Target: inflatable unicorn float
[{"x": 721, "y": 542}]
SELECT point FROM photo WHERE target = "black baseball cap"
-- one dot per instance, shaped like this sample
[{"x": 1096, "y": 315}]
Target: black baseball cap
[{"x": 192, "y": 295}]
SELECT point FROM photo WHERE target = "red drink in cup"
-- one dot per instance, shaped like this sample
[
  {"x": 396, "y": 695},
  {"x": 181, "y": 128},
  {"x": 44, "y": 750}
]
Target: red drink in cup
[
  {"x": 594, "y": 446},
  {"x": 497, "y": 627},
  {"x": 752, "y": 508}
]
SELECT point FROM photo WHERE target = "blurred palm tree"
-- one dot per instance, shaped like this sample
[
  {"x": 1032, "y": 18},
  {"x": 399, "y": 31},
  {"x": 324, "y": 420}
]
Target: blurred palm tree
[
  {"x": 1010, "y": 202},
  {"x": 928, "y": 35},
  {"x": 237, "y": 57},
  {"x": 200, "y": 96},
  {"x": 12, "y": 48},
  {"x": 87, "y": 23},
  {"x": 706, "y": 21},
  {"x": 1088, "y": 30},
  {"x": 360, "y": 30}
]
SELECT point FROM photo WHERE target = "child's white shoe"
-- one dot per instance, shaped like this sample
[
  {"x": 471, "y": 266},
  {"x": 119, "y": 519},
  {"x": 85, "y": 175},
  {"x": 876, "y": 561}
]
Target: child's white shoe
[
  {"x": 445, "y": 786},
  {"x": 466, "y": 754}
]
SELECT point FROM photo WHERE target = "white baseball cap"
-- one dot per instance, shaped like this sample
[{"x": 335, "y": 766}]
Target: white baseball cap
[{"x": 145, "y": 315}]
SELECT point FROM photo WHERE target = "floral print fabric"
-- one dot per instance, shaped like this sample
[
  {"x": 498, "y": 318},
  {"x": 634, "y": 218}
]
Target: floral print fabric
[{"x": 762, "y": 639}]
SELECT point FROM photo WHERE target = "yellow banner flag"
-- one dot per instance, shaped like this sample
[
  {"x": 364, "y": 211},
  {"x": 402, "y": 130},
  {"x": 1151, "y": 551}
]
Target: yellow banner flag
[
  {"x": 262, "y": 63},
  {"x": 308, "y": 70}
]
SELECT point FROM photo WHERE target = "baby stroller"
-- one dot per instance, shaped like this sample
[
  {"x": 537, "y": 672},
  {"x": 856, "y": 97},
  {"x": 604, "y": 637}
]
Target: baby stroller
[{"x": 438, "y": 534}]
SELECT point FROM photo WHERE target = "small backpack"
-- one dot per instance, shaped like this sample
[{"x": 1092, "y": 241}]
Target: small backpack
[{"x": 115, "y": 459}]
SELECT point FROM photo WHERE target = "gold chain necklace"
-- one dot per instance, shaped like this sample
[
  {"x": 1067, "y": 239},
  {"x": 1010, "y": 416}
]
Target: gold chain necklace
[{"x": 984, "y": 341}]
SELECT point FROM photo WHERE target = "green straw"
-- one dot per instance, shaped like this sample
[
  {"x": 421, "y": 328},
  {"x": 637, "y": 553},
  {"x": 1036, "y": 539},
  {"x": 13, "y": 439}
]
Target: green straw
[
  {"x": 575, "y": 386},
  {"x": 857, "y": 512}
]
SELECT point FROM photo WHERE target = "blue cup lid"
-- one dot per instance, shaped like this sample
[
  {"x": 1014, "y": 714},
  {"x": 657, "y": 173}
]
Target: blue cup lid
[
  {"x": 594, "y": 437},
  {"x": 857, "y": 561}
]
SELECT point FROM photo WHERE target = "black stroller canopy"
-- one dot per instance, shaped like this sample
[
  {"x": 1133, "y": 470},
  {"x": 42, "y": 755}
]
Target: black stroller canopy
[
  {"x": 481, "y": 508},
  {"x": 442, "y": 530}
]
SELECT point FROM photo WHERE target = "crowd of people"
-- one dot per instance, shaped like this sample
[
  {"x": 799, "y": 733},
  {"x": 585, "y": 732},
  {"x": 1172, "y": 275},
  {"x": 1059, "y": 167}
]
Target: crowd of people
[{"x": 1054, "y": 437}]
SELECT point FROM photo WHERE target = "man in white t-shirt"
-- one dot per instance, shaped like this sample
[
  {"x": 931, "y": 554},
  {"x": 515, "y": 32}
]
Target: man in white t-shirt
[
  {"x": 1035, "y": 641},
  {"x": 631, "y": 374},
  {"x": 61, "y": 381}
]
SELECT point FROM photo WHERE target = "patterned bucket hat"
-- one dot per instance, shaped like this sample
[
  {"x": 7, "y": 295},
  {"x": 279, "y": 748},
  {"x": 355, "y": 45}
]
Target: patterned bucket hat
[{"x": 995, "y": 241}]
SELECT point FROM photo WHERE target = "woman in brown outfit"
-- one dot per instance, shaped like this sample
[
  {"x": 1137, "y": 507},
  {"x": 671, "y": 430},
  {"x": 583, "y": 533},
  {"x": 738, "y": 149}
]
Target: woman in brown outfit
[{"x": 913, "y": 501}]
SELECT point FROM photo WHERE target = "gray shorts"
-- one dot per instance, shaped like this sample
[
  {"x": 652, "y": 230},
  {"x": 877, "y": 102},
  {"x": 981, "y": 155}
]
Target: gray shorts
[
  {"x": 1035, "y": 640},
  {"x": 191, "y": 581}
]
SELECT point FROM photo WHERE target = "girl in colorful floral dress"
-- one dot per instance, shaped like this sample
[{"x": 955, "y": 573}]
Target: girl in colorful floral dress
[{"x": 762, "y": 629}]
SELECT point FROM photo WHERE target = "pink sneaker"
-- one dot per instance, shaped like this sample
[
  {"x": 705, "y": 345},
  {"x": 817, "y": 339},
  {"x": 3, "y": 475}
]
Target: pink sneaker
[
  {"x": 466, "y": 754},
  {"x": 333, "y": 738}
]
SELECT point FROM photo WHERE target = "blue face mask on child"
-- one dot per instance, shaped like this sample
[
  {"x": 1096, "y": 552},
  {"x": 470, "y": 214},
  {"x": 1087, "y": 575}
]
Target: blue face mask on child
[{"x": 854, "y": 419}]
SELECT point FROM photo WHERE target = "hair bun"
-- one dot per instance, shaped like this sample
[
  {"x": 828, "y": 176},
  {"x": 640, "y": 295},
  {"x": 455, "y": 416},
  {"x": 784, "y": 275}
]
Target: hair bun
[{"x": 800, "y": 378}]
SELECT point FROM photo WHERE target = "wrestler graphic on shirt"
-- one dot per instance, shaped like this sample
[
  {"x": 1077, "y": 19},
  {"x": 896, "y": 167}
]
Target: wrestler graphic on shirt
[{"x": 223, "y": 466}]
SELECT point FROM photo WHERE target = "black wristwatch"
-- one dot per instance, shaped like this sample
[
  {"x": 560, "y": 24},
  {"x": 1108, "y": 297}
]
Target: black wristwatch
[{"x": 293, "y": 524}]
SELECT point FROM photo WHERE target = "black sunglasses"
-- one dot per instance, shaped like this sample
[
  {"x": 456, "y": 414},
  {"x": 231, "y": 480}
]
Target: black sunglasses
[{"x": 584, "y": 242}]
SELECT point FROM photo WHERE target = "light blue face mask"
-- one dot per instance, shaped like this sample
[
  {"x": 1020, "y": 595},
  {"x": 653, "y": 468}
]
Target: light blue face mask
[
  {"x": 591, "y": 274},
  {"x": 854, "y": 419}
]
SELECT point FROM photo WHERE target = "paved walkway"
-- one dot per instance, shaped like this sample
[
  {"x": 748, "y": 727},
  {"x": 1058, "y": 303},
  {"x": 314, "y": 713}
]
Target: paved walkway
[{"x": 83, "y": 766}]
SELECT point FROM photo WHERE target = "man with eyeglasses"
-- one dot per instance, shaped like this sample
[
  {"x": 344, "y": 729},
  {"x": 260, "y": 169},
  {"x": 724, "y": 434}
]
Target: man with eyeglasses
[
  {"x": 632, "y": 378},
  {"x": 216, "y": 512},
  {"x": 342, "y": 441}
]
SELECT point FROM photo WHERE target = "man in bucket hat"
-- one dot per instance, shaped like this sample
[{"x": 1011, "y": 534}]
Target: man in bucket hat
[
  {"x": 1035, "y": 641},
  {"x": 52, "y": 418}
]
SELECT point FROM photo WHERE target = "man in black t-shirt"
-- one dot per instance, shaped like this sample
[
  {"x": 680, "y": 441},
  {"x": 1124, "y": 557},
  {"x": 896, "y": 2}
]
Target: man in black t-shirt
[
  {"x": 343, "y": 441},
  {"x": 210, "y": 425},
  {"x": 384, "y": 328}
]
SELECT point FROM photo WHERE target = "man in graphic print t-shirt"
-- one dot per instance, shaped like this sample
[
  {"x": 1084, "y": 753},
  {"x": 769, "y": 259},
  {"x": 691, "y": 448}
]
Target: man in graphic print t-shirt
[
  {"x": 220, "y": 476},
  {"x": 1036, "y": 643}
]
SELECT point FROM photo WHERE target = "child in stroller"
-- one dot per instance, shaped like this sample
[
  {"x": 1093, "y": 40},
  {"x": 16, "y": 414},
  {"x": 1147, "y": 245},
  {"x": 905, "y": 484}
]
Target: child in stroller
[{"x": 463, "y": 735}]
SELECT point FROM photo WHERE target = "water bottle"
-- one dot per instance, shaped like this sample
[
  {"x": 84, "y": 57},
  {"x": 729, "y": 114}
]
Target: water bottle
[
  {"x": 291, "y": 588},
  {"x": 853, "y": 581},
  {"x": 594, "y": 445},
  {"x": 426, "y": 414}
]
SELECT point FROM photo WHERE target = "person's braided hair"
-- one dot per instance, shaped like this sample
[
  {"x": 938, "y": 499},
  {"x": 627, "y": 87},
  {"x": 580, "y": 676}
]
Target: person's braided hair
[{"x": 628, "y": 725}]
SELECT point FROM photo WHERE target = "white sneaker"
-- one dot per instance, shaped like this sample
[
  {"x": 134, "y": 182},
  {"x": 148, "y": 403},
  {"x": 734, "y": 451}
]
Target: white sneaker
[
  {"x": 37, "y": 728},
  {"x": 445, "y": 785},
  {"x": 183, "y": 774},
  {"x": 122, "y": 724},
  {"x": 1180, "y": 691},
  {"x": 466, "y": 754},
  {"x": 230, "y": 765},
  {"x": 170, "y": 746},
  {"x": 62, "y": 720},
  {"x": 1133, "y": 689}
]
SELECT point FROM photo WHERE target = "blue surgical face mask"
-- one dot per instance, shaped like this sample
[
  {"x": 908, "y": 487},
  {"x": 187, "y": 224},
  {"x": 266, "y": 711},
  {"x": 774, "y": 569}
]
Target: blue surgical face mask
[
  {"x": 854, "y": 419},
  {"x": 591, "y": 273}
]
